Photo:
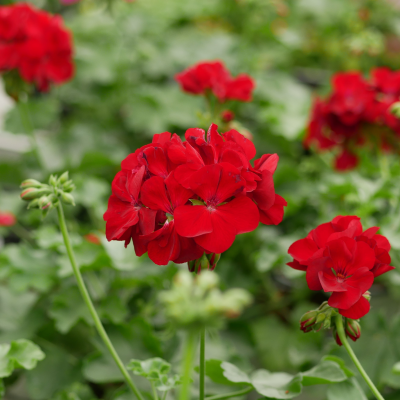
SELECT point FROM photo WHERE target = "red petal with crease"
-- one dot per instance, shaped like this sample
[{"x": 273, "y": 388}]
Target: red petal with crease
[
  {"x": 191, "y": 221},
  {"x": 358, "y": 310},
  {"x": 154, "y": 194},
  {"x": 264, "y": 195},
  {"x": 267, "y": 162},
  {"x": 302, "y": 250},
  {"x": 274, "y": 215},
  {"x": 246, "y": 144}
]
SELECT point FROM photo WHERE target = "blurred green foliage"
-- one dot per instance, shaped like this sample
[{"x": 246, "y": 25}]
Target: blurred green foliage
[{"x": 124, "y": 92}]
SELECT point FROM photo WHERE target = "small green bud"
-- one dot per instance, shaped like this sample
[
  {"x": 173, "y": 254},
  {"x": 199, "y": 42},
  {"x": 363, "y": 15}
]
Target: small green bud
[
  {"x": 353, "y": 329},
  {"x": 34, "y": 204},
  {"x": 395, "y": 109},
  {"x": 44, "y": 202},
  {"x": 367, "y": 295},
  {"x": 31, "y": 183},
  {"x": 308, "y": 320},
  {"x": 53, "y": 181},
  {"x": 205, "y": 264},
  {"x": 68, "y": 186},
  {"x": 63, "y": 178},
  {"x": 67, "y": 198},
  {"x": 33, "y": 193},
  {"x": 321, "y": 317}
]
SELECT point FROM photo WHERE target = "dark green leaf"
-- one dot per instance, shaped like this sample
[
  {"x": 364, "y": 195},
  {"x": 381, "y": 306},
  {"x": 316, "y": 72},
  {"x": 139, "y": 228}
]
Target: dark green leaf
[{"x": 347, "y": 390}]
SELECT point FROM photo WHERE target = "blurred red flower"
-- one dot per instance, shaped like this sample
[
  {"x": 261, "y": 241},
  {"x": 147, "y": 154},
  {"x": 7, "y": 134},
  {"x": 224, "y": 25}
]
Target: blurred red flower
[
  {"x": 356, "y": 113},
  {"x": 36, "y": 44},
  {"x": 342, "y": 251},
  {"x": 7, "y": 218},
  {"x": 213, "y": 77},
  {"x": 178, "y": 199}
]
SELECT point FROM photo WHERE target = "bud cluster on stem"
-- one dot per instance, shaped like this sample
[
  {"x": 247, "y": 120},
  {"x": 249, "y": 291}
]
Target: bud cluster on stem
[{"x": 46, "y": 196}]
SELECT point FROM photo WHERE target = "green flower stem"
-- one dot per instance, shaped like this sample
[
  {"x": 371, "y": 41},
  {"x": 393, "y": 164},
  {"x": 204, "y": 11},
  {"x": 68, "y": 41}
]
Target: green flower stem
[
  {"x": 187, "y": 365},
  {"x": 232, "y": 394},
  {"x": 89, "y": 303},
  {"x": 154, "y": 390},
  {"x": 202, "y": 362},
  {"x": 28, "y": 127},
  {"x": 343, "y": 339}
]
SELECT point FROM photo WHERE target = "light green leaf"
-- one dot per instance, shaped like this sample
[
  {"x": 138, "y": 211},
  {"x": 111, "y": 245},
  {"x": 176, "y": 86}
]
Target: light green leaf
[
  {"x": 347, "y": 390},
  {"x": 166, "y": 383},
  {"x": 341, "y": 363},
  {"x": 279, "y": 385},
  {"x": 325, "y": 372},
  {"x": 216, "y": 372},
  {"x": 234, "y": 374},
  {"x": 19, "y": 354},
  {"x": 150, "y": 368}
]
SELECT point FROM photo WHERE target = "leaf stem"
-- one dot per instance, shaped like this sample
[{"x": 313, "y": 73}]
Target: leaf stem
[
  {"x": 86, "y": 297},
  {"x": 202, "y": 362},
  {"x": 343, "y": 339},
  {"x": 153, "y": 388},
  {"x": 23, "y": 110},
  {"x": 232, "y": 394},
  {"x": 187, "y": 365}
]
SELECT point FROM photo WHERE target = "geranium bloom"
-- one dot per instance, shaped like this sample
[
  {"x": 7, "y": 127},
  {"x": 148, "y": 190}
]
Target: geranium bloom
[
  {"x": 7, "y": 218},
  {"x": 178, "y": 199},
  {"x": 213, "y": 77},
  {"x": 36, "y": 44},
  {"x": 340, "y": 257},
  {"x": 356, "y": 113}
]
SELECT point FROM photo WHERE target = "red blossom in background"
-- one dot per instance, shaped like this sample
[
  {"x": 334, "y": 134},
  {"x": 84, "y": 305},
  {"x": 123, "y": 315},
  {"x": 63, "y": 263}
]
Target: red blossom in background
[
  {"x": 357, "y": 113},
  {"x": 178, "y": 199},
  {"x": 341, "y": 258},
  {"x": 36, "y": 44},
  {"x": 7, "y": 219},
  {"x": 213, "y": 77}
]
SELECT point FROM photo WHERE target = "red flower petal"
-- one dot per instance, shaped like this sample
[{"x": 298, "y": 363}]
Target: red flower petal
[
  {"x": 302, "y": 250},
  {"x": 154, "y": 194},
  {"x": 191, "y": 221},
  {"x": 274, "y": 215},
  {"x": 358, "y": 310}
]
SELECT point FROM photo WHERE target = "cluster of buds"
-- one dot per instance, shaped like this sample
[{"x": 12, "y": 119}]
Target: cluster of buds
[
  {"x": 46, "y": 196},
  {"x": 314, "y": 320},
  {"x": 195, "y": 301},
  {"x": 205, "y": 262}
]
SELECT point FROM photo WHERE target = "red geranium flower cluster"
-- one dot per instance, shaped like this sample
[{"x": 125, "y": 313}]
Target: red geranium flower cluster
[
  {"x": 355, "y": 114},
  {"x": 213, "y": 77},
  {"x": 178, "y": 199},
  {"x": 341, "y": 258},
  {"x": 36, "y": 44}
]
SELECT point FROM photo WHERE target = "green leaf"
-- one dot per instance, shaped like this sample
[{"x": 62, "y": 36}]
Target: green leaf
[
  {"x": 325, "y": 372},
  {"x": 150, "y": 368},
  {"x": 19, "y": 354},
  {"x": 341, "y": 363},
  {"x": 347, "y": 390},
  {"x": 396, "y": 368},
  {"x": 216, "y": 372},
  {"x": 278, "y": 385},
  {"x": 166, "y": 383},
  {"x": 234, "y": 374}
]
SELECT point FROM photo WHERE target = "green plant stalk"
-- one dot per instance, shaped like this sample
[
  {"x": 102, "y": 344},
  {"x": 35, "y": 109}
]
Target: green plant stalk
[
  {"x": 202, "y": 362},
  {"x": 154, "y": 390},
  {"x": 343, "y": 339},
  {"x": 232, "y": 394},
  {"x": 187, "y": 365},
  {"x": 86, "y": 297},
  {"x": 28, "y": 127}
]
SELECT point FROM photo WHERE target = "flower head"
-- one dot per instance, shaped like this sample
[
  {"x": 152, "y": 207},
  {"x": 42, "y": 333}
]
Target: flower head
[
  {"x": 36, "y": 44},
  {"x": 177, "y": 200}
]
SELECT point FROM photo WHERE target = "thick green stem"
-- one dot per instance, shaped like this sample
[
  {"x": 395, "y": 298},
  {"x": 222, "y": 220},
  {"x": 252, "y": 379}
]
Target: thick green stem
[
  {"x": 86, "y": 297},
  {"x": 343, "y": 339},
  {"x": 28, "y": 127},
  {"x": 202, "y": 362},
  {"x": 187, "y": 365},
  {"x": 232, "y": 394},
  {"x": 154, "y": 390}
]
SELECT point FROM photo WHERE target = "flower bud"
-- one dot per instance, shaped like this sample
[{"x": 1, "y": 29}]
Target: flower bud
[
  {"x": 67, "y": 198},
  {"x": 227, "y": 115},
  {"x": 34, "y": 204},
  {"x": 336, "y": 336},
  {"x": 33, "y": 193},
  {"x": 367, "y": 295},
  {"x": 44, "y": 202},
  {"x": 68, "y": 186},
  {"x": 395, "y": 109},
  {"x": 353, "y": 329},
  {"x": 191, "y": 265},
  {"x": 204, "y": 263},
  {"x": 308, "y": 320},
  {"x": 53, "y": 181},
  {"x": 30, "y": 183},
  {"x": 63, "y": 178},
  {"x": 214, "y": 258}
]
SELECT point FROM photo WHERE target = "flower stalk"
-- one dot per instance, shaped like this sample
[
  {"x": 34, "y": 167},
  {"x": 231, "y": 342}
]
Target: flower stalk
[
  {"x": 202, "y": 363},
  {"x": 86, "y": 297},
  {"x": 187, "y": 365},
  {"x": 343, "y": 339}
]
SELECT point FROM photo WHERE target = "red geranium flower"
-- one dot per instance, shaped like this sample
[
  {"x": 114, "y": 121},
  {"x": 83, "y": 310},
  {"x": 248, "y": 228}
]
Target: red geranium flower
[
  {"x": 212, "y": 76},
  {"x": 177, "y": 200},
  {"x": 36, "y": 44},
  {"x": 7, "y": 218}
]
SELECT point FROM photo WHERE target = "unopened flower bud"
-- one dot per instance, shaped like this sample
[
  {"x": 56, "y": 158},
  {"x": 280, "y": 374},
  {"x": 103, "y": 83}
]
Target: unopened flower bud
[
  {"x": 214, "y": 258},
  {"x": 395, "y": 109},
  {"x": 34, "y": 203},
  {"x": 63, "y": 178},
  {"x": 204, "y": 263},
  {"x": 44, "y": 202},
  {"x": 68, "y": 186},
  {"x": 53, "y": 181},
  {"x": 191, "y": 265},
  {"x": 336, "y": 336},
  {"x": 308, "y": 320},
  {"x": 33, "y": 193},
  {"x": 30, "y": 183},
  {"x": 353, "y": 329},
  {"x": 227, "y": 115},
  {"x": 367, "y": 295},
  {"x": 67, "y": 198}
]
